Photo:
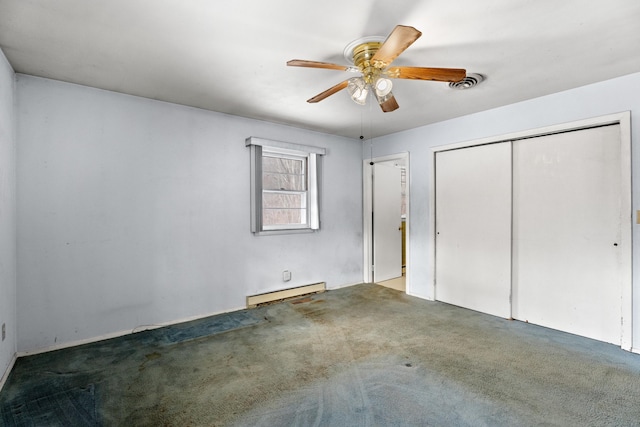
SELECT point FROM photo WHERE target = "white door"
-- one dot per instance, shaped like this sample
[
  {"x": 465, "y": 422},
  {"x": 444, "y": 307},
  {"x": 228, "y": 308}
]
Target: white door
[
  {"x": 567, "y": 229},
  {"x": 473, "y": 228},
  {"x": 387, "y": 235}
]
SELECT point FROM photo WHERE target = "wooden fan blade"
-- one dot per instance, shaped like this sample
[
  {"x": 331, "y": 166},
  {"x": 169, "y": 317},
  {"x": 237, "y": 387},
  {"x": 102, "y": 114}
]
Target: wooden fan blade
[
  {"x": 423, "y": 73},
  {"x": 316, "y": 64},
  {"x": 389, "y": 105},
  {"x": 337, "y": 88},
  {"x": 400, "y": 38}
]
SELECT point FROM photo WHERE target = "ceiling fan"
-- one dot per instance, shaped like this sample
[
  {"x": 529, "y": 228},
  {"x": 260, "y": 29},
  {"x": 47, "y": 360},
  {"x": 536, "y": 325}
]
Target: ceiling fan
[{"x": 372, "y": 58}]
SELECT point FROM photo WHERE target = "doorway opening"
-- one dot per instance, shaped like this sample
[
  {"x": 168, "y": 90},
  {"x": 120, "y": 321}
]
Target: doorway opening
[{"x": 386, "y": 221}]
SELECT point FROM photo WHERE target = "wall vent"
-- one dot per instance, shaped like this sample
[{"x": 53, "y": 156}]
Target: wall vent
[
  {"x": 468, "y": 82},
  {"x": 270, "y": 297}
]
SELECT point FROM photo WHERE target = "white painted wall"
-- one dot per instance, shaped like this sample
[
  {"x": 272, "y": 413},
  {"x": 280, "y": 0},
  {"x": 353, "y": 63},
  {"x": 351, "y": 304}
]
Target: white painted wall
[
  {"x": 127, "y": 215},
  {"x": 135, "y": 212},
  {"x": 7, "y": 214},
  {"x": 611, "y": 96}
]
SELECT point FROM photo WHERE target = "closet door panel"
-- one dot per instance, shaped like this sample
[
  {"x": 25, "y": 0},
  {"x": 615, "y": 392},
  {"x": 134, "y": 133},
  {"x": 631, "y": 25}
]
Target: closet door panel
[
  {"x": 566, "y": 256},
  {"x": 473, "y": 228}
]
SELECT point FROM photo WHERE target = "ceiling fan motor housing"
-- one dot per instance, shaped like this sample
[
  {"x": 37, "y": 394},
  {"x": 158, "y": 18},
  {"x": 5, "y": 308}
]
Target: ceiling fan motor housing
[{"x": 362, "y": 55}]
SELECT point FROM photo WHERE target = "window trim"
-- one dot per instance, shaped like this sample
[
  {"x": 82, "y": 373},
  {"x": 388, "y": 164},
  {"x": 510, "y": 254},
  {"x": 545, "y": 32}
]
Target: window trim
[{"x": 258, "y": 147}]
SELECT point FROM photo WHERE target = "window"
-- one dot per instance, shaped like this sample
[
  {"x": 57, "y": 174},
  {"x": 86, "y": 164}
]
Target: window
[{"x": 284, "y": 187}]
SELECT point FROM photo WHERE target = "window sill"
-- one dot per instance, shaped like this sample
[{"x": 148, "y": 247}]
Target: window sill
[{"x": 289, "y": 231}]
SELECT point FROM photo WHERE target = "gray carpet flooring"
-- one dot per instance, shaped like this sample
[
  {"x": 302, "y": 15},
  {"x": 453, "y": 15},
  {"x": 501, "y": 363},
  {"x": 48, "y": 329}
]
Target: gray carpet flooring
[{"x": 359, "y": 356}]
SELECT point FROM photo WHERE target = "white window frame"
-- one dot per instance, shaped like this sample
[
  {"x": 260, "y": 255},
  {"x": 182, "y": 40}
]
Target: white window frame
[
  {"x": 260, "y": 147},
  {"x": 305, "y": 211}
]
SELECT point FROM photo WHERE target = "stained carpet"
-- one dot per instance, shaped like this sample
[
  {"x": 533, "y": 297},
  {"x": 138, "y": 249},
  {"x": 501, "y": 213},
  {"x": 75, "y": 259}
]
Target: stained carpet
[
  {"x": 358, "y": 356},
  {"x": 72, "y": 407}
]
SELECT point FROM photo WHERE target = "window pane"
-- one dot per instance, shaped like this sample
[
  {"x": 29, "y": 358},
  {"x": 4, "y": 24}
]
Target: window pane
[
  {"x": 283, "y": 165},
  {"x": 283, "y": 216},
  {"x": 275, "y": 181},
  {"x": 282, "y": 201},
  {"x": 283, "y": 208},
  {"x": 282, "y": 173}
]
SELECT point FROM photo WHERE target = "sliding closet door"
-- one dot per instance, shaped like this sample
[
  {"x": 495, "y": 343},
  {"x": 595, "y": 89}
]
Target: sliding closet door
[
  {"x": 567, "y": 228},
  {"x": 473, "y": 228}
]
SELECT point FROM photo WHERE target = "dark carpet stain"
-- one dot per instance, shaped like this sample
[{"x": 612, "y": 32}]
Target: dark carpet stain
[
  {"x": 72, "y": 407},
  {"x": 207, "y": 327}
]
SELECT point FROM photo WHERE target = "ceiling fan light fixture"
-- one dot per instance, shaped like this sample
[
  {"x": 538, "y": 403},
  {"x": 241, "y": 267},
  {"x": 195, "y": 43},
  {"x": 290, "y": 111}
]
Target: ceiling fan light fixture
[
  {"x": 383, "y": 87},
  {"x": 358, "y": 90},
  {"x": 383, "y": 98}
]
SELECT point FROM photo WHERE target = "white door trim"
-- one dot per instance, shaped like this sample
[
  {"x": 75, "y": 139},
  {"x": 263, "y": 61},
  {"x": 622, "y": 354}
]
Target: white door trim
[
  {"x": 624, "y": 120},
  {"x": 367, "y": 210}
]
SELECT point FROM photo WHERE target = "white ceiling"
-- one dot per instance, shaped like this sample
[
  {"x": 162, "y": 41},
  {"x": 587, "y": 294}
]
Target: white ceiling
[{"x": 230, "y": 56}]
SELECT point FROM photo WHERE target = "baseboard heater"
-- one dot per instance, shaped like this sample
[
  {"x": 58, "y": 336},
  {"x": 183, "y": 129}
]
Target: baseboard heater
[{"x": 269, "y": 297}]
